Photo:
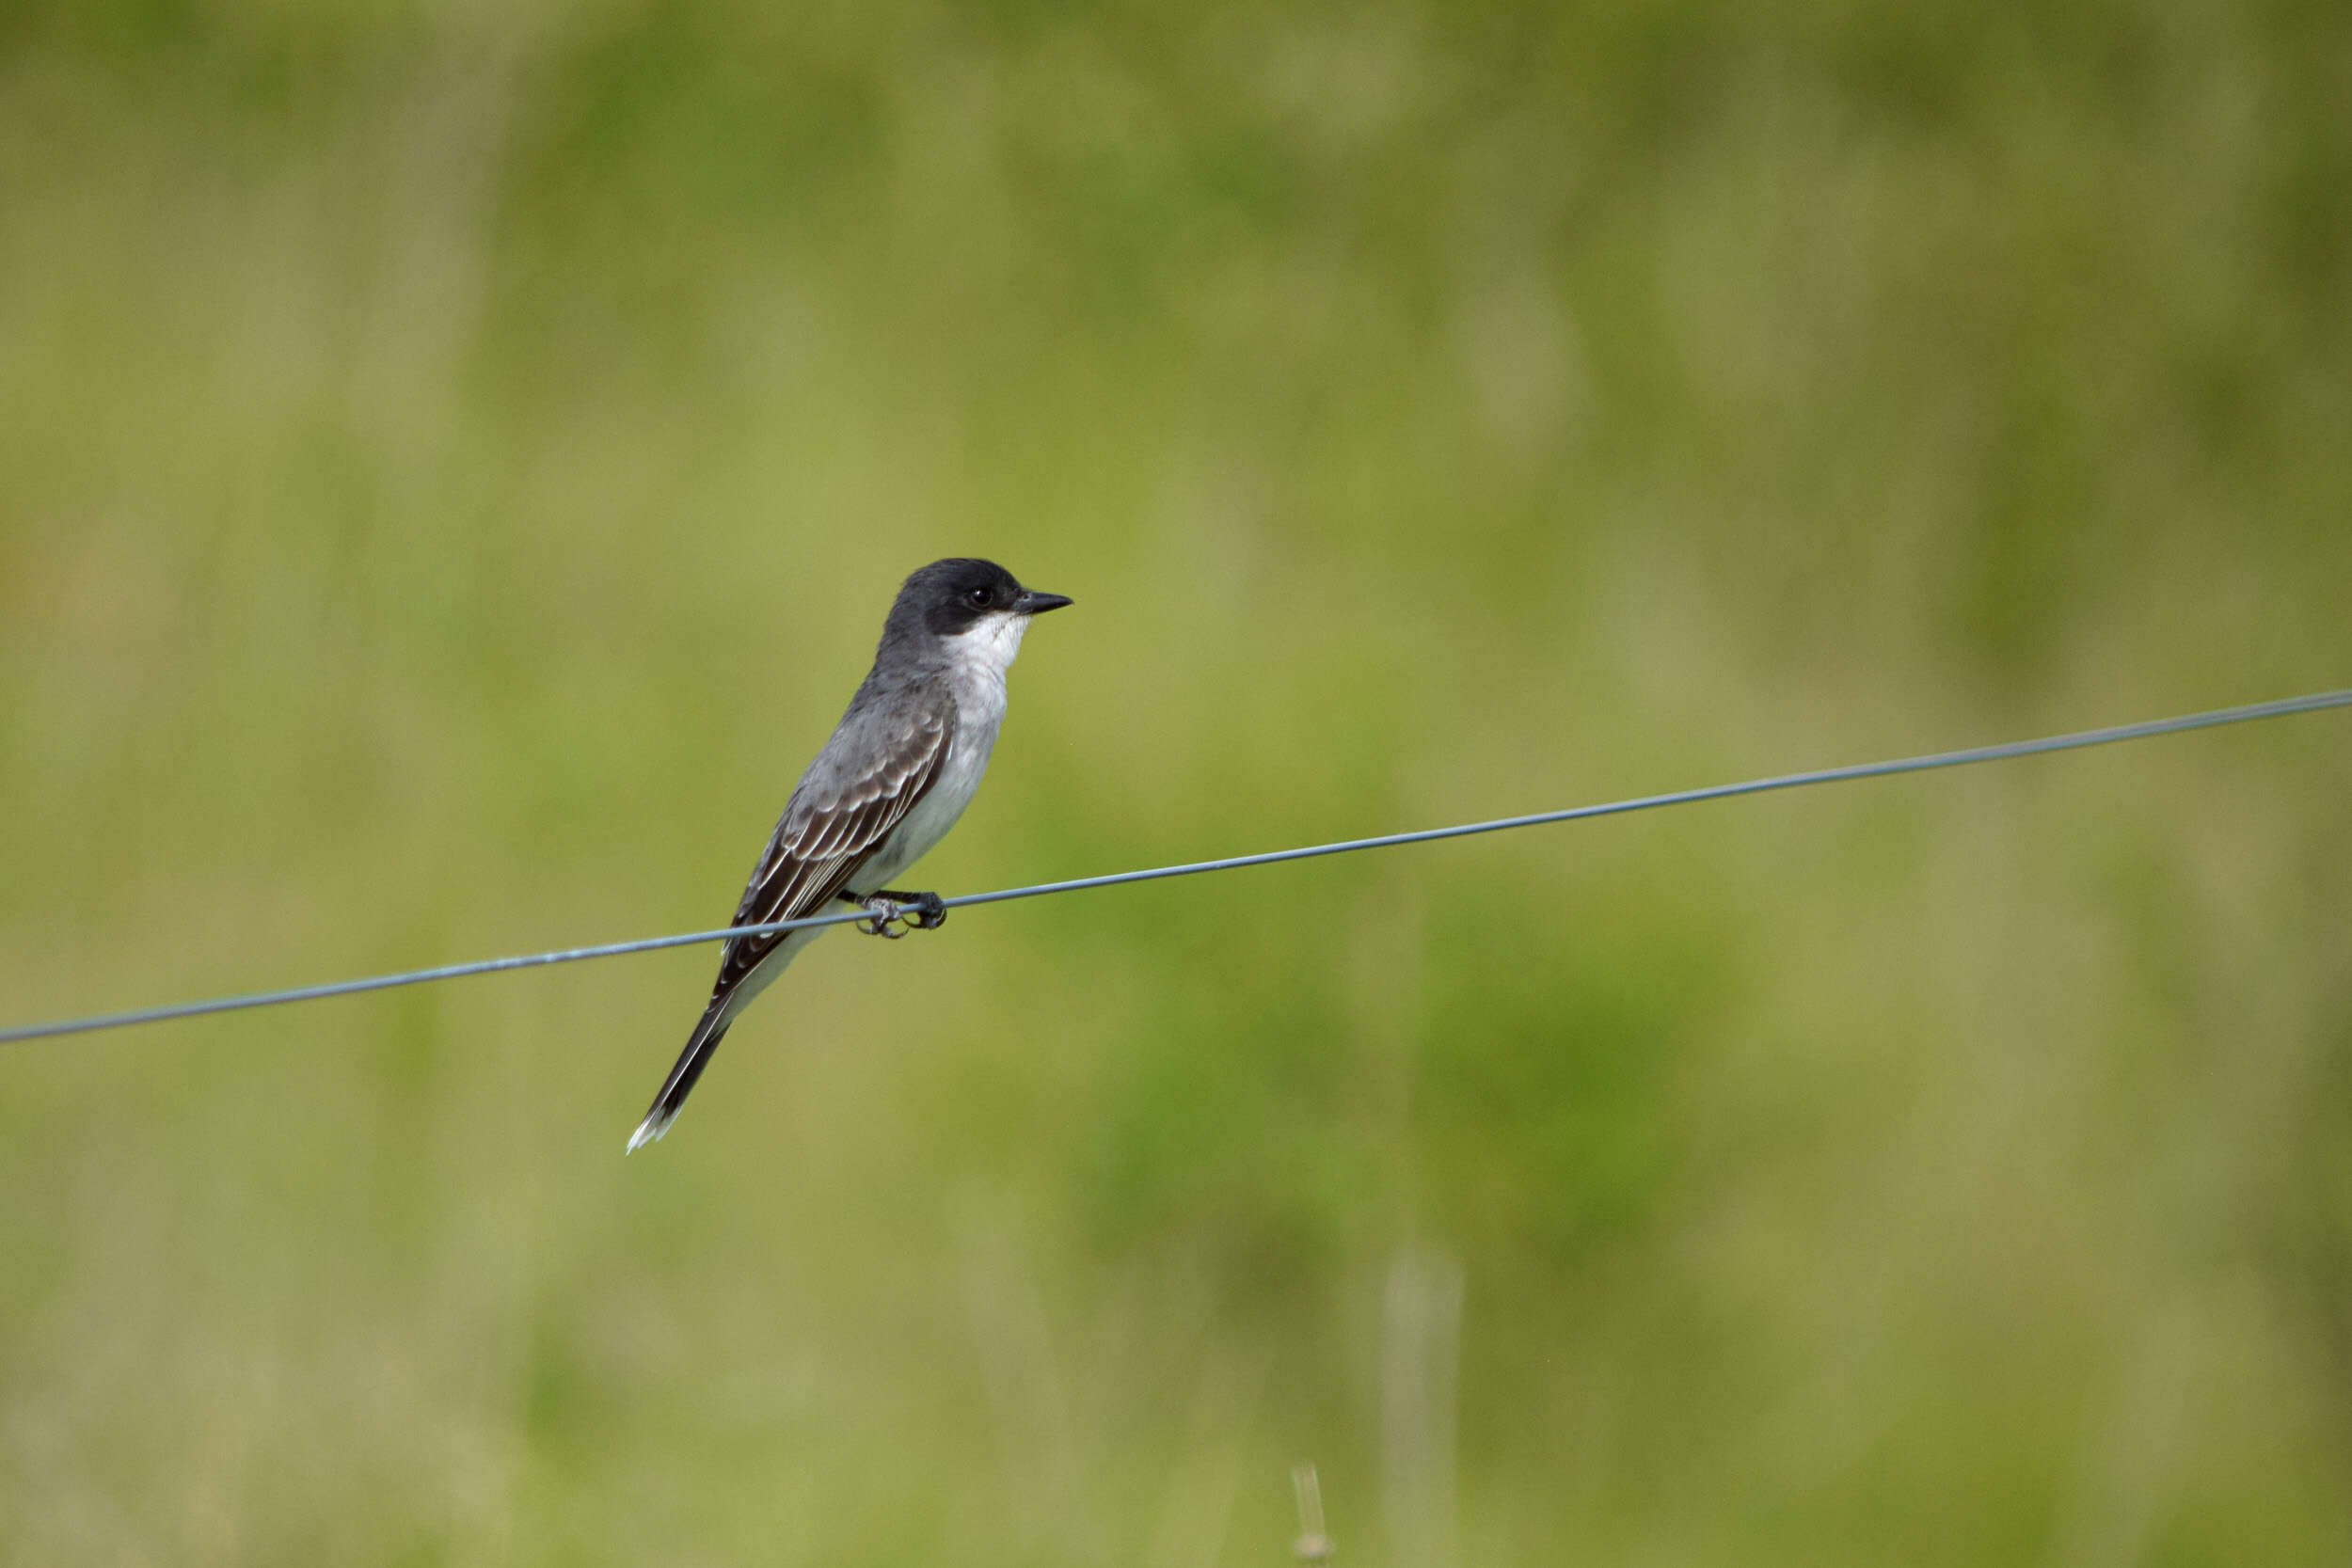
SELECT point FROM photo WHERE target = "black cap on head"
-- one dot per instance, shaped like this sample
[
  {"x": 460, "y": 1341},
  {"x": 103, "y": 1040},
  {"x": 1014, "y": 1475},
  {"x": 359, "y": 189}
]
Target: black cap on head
[{"x": 948, "y": 596}]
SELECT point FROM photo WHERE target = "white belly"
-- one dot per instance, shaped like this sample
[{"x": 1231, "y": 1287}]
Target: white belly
[
  {"x": 979, "y": 689},
  {"x": 980, "y": 713},
  {"x": 925, "y": 826}
]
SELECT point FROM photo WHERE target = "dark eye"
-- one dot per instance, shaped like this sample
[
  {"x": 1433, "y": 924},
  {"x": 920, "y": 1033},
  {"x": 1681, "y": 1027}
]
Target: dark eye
[{"x": 978, "y": 598}]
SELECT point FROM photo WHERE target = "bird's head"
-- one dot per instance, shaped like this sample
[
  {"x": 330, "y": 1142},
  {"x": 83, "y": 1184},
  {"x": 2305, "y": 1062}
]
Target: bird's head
[{"x": 974, "y": 606}]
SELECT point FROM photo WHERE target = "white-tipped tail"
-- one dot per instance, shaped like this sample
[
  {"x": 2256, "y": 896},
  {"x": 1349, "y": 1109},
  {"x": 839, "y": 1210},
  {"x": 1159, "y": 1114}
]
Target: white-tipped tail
[
  {"x": 649, "y": 1131},
  {"x": 691, "y": 1062}
]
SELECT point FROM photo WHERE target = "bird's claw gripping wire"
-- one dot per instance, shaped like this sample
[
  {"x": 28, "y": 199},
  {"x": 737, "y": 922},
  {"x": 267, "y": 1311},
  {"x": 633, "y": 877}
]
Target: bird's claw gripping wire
[{"x": 914, "y": 912}]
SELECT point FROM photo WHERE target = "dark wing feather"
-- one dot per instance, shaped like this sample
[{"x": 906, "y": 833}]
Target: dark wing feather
[
  {"x": 831, "y": 825},
  {"x": 836, "y": 817}
]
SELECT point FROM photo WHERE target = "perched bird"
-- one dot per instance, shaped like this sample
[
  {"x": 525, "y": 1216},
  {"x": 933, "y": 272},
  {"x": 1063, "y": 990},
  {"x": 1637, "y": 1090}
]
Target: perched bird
[{"x": 899, "y": 771}]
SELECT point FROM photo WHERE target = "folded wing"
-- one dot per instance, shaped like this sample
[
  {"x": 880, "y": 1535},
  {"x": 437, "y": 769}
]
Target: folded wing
[
  {"x": 832, "y": 824},
  {"x": 840, "y": 813}
]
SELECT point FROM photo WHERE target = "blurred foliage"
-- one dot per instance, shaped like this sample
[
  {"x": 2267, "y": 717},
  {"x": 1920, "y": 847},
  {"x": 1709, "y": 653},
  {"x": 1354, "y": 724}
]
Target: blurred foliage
[{"x": 453, "y": 464}]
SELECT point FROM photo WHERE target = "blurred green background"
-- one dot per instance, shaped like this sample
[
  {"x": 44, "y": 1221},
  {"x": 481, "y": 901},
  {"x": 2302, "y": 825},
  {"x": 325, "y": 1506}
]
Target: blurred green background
[{"x": 453, "y": 461}]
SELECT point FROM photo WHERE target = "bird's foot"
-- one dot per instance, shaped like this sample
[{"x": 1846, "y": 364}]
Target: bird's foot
[
  {"x": 914, "y": 912},
  {"x": 921, "y": 912}
]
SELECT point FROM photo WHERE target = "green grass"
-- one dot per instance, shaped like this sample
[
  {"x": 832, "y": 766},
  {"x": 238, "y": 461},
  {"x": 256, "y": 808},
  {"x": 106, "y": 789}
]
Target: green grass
[{"x": 452, "y": 469}]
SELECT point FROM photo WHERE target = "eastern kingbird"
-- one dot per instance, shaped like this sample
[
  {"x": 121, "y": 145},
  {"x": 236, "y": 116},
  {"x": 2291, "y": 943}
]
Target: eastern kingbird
[{"x": 899, "y": 770}]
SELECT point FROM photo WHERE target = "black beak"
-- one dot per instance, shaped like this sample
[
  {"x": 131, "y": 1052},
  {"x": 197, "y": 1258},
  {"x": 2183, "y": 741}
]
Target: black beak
[{"x": 1031, "y": 603}]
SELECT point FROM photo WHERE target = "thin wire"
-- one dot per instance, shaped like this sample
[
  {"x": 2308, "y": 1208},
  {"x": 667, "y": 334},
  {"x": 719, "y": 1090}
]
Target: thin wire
[{"x": 2071, "y": 742}]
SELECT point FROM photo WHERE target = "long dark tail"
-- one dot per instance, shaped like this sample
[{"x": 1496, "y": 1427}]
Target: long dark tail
[{"x": 675, "y": 1088}]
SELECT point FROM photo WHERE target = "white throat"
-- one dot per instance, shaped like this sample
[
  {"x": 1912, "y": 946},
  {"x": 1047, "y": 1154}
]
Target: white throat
[
  {"x": 976, "y": 658},
  {"x": 989, "y": 645}
]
